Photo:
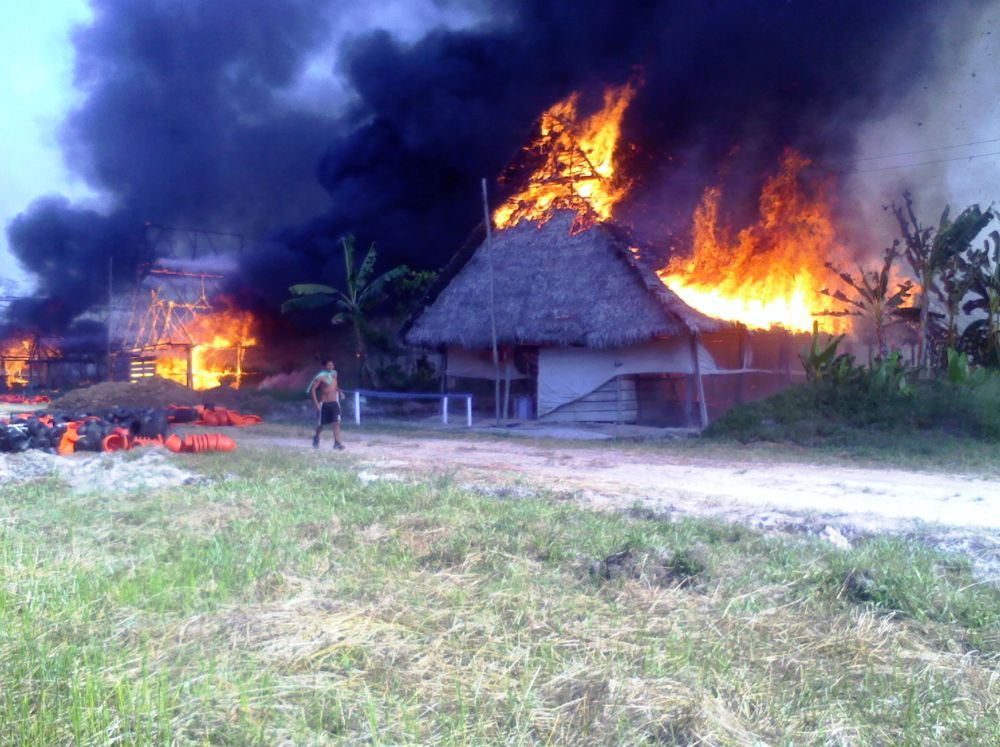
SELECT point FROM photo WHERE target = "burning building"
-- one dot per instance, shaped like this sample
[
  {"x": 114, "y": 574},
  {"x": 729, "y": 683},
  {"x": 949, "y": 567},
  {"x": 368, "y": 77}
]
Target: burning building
[
  {"x": 575, "y": 311},
  {"x": 25, "y": 361},
  {"x": 182, "y": 331}
]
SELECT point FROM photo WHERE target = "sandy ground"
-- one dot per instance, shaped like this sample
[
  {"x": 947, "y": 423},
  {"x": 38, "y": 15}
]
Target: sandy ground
[{"x": 950, "y": 511}]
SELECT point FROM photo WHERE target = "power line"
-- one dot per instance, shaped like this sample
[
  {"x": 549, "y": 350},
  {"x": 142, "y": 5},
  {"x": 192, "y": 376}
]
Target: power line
[
  {"x": 920, "y": 163},
  {"x": 923, "y": 150}
]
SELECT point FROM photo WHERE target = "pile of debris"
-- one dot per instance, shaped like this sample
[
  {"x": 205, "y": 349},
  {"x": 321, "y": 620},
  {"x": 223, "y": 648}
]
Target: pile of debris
[
  {"x": 152, "y": 392},
  {"x": 118, "y": 429}
]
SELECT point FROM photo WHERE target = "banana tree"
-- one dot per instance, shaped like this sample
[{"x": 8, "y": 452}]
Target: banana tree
[
  {"x": 928, "y": 250},
  {"x": 982, "y": 335},
  {"x": 361, "y": 293},
  {"x": 873, "y": 299}
]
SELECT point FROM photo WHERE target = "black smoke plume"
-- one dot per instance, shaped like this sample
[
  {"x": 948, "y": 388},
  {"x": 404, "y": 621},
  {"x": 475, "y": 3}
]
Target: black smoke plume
[{"x": 185, "y": 121}]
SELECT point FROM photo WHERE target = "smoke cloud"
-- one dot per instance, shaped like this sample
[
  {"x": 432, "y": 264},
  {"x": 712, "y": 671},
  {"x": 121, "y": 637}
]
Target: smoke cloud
[{"x": 196, "y": 114}]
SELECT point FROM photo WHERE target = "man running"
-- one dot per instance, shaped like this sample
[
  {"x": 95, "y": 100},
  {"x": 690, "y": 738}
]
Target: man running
[{"x": 326, "y": 395}]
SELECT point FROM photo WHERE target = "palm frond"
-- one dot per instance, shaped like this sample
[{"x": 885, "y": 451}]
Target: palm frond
[{"x": 301, "y": 303}]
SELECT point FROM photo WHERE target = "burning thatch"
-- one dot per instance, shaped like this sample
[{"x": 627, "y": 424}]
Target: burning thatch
[{"x": 553, "y": 287}]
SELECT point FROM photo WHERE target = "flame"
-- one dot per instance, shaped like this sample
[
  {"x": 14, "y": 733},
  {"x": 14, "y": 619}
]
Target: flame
[
  {"x": 14, "y": 355},
  {"x": 771, "y": 274},
  {"x": 220, "y": 339},
  {"x": 578, "y": 168}
]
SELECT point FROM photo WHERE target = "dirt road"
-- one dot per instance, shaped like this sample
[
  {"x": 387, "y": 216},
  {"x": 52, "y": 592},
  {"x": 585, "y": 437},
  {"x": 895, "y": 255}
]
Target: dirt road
[{"x": 867, "y": 499}]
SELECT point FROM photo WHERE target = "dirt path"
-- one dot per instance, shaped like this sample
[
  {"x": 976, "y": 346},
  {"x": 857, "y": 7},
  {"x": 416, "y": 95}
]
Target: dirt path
[{"x": 952, "y": 511}]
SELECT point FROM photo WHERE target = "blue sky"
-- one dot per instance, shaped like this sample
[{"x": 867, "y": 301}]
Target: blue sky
[{"x": 36, "y": 71}]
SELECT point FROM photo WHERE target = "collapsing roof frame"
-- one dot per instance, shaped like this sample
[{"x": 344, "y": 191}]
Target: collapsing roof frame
[{"x": 164, "y": 323}]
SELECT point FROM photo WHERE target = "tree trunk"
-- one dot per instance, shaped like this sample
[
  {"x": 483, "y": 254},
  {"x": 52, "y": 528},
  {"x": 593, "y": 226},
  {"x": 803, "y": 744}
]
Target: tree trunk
[
  {"x": 361, "y": 354},
  {"x": 925, "y": 308}
]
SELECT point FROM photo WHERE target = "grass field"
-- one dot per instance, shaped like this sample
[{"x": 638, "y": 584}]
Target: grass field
[{"x": 286, "y": 600}]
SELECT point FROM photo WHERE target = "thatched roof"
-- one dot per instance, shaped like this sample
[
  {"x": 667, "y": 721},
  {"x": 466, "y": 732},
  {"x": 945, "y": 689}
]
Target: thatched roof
[{"x": 552, "y": 288}]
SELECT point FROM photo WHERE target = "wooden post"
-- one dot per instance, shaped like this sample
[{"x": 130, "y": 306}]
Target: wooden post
[
  {"x": 444, "y": 409},
  {"x": 357, "y": 407},
  {"x": 444, "y": 369},
  {"x": 190, "y": 366},
  {"x": 688, "y": 399},
  {"x": 493, "y": 310},
  {"x": 618, "y": 393},
  {"x": 506, "y": 385},
  {"x": 741, "y": 332},
  {"x": 702, "y": 407},
  {"x": 468, "y": 411},
  {"x": 784, "y": 362}
]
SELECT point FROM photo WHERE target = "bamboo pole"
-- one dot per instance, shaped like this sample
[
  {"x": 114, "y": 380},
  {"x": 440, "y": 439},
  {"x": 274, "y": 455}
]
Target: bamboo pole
[{"x": 493, "y": 312}]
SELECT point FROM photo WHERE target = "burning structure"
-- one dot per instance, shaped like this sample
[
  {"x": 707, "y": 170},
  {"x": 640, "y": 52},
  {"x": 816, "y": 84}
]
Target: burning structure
[
  {"x": 596, "y": 333},
  {"x": 25, "y": 362},
  {"x": 176, "y": 332}
]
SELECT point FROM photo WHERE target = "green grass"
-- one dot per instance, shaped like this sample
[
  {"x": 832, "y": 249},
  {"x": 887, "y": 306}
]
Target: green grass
[{"x": 288, "y": 600}]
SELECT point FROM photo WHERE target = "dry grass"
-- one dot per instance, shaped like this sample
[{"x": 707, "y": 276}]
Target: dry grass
[{"x": 298, "y": 605}]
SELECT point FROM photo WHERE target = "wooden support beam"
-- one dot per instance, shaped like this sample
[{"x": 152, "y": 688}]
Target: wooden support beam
[{"x": 702, "y": 407}]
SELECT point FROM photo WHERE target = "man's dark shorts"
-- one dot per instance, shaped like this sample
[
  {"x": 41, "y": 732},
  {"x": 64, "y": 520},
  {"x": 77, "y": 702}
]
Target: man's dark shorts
[{"x": 329, "y": 413}]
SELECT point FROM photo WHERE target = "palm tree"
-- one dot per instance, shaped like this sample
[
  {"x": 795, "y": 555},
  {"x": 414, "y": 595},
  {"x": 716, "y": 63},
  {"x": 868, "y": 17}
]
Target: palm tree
[{"x": 361, "y": 293}]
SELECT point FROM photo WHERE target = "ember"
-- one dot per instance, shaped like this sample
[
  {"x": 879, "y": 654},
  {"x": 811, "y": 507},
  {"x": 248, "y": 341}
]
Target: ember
[
  {"x": 771, "y": 273},
  {"x": 578, "y": 169}
]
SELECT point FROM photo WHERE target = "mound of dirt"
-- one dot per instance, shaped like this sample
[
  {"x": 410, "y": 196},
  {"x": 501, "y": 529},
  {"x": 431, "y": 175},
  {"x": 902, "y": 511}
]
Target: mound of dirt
[
  {"x": 151, "y": 392},
  {"x": 157, "y": 392}
]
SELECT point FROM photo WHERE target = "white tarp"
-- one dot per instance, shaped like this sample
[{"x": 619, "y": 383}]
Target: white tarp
[
  {"x": 566, "y": 374},
  {"x": 478, "y": 364}
]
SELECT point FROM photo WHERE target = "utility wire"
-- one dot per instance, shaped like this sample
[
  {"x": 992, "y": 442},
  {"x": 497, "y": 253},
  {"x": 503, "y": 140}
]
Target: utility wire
[
  {"x": 923, "y": 150},
  {"x": 920, "y": 163}
]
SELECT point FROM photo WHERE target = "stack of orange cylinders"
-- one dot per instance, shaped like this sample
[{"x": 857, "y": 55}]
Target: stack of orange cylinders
[{"x": 196, "y": 444}]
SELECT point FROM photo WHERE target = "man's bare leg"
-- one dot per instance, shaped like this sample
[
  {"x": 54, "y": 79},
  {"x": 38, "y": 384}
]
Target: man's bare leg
[
  {"x": 336, "y": 435},
  {"x": 319, "y": 429}
]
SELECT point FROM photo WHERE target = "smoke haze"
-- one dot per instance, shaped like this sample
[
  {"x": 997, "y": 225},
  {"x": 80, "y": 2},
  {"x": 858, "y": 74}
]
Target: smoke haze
[{"x": 294, "y": 122}]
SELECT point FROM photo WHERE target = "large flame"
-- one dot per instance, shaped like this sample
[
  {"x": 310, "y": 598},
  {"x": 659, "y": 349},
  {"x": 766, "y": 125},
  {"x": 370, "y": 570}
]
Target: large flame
[
  {"x": 220, "y": 340},
  {"x": 771, "y": 274},
  {"x": 578, "y": 169},
  {"x": 14, "y": 356}
]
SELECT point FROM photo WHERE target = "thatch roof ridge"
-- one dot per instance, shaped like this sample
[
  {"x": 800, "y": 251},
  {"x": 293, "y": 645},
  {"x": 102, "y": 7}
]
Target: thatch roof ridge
[
  {"x": 542, "y": 297},
  {"x": 628, "y": 247}
]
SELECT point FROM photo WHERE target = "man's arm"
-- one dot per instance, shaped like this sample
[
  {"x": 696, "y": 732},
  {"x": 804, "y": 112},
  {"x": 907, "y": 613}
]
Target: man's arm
[{"x": 312, "y": 392}]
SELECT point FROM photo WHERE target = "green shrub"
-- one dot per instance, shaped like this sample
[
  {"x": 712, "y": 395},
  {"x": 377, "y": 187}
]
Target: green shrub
[{"x": 875, "y": 402}]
